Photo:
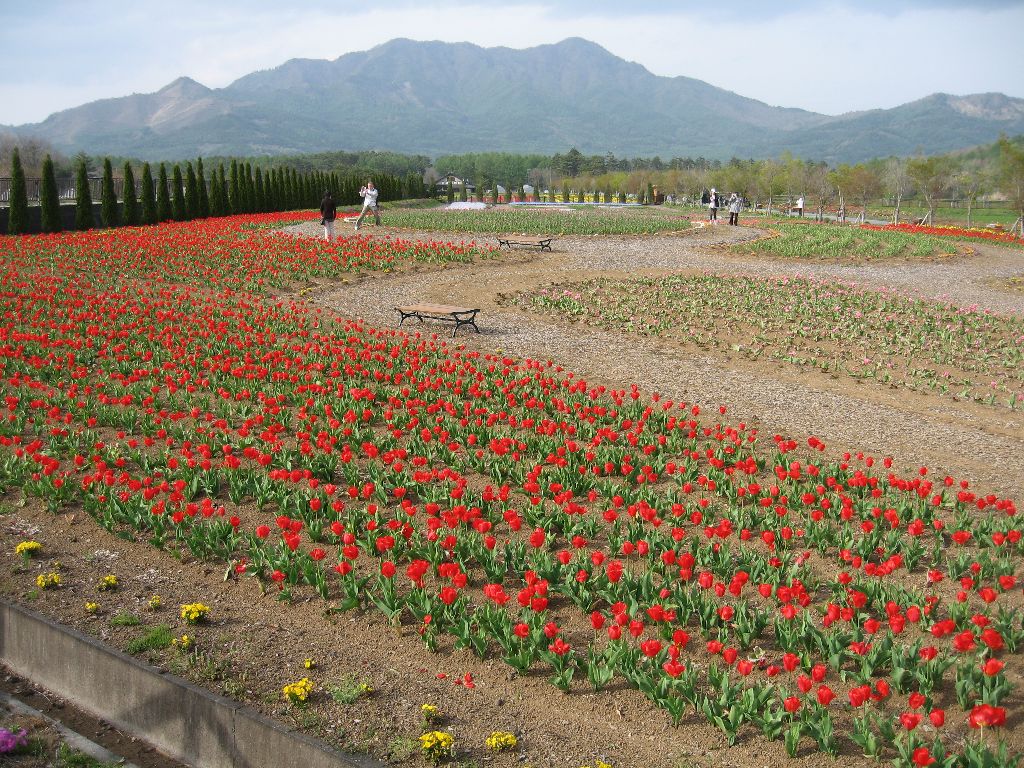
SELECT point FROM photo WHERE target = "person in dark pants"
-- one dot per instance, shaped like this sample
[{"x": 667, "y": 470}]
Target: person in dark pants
[
  {"x": 328, "y": 213},
  {"x": 734, "y": 209},
  {"x": 713, "y": 206}
]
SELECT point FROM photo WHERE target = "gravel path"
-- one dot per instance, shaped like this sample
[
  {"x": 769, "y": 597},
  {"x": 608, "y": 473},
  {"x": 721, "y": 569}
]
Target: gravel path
[{"x": 967, "y": 440}]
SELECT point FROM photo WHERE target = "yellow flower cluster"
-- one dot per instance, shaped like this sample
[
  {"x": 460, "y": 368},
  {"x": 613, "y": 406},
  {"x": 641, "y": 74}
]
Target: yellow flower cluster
[
  {"x": 194, "y": 613},
  {"x": 184, "y": 642},
  {"x": 27, "y": 548},
  {"x": 91, "y": 608},
  {"x": 155, "y": 602},
  {"x": 430, "y": 713},
  {"x": 48, "y": 580},
  {"x": 437, "y": 745},
  {"x": 107, "y": 583},
  {"x": 298, "y": 692},
  {"x": 499, "y": 741},
  {"x": 309, "y": 664},
  {"x": 598, "y": 764}
]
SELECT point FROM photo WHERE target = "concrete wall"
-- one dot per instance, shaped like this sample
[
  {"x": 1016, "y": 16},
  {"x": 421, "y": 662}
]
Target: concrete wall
[
  {"x": 181, "y": 720},
  {"x": 35, "y": 217}
]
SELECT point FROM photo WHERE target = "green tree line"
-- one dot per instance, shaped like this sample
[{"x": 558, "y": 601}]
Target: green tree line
[{"x": 239, "y": 187}]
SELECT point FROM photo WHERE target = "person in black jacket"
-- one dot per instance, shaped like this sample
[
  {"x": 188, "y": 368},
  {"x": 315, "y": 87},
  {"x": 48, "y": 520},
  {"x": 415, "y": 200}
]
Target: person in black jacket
[{"x": 328, "y": 213}]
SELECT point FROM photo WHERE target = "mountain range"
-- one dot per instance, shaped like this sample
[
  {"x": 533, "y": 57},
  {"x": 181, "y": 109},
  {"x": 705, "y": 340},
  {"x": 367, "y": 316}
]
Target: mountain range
[{"x": 438, "y": 98}]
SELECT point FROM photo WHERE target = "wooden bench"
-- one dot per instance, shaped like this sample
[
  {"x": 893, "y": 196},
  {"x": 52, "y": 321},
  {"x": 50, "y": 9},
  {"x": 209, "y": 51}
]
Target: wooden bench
[
  {"x": 444, "y": 312},
  {"x": 544, "y": 243}
]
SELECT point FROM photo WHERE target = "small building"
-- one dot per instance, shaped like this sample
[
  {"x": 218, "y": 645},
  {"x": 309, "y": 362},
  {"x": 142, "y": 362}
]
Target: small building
[{"x": 457, "y": 185}]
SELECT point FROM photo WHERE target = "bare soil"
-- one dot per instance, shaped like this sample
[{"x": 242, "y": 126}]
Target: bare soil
[{"x": 255, "y": 643}]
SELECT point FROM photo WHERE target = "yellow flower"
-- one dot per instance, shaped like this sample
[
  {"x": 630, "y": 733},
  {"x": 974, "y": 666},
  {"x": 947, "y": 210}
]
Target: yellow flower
[
  {"x": 309, "y": 664},
  {"x": 91, "y": 608},
  {"x": 48, "y": 580},
  {"x": 155, "y": 602},
  {"x": 27, "y": 548},
  {"x": 437, "y": 745},
  {"x": 194, "y": 613},
  {"x": 499, "y": 741},
  {"x": 184, "y": 642},
  {"x": 298, "y": 692},
  {"x": 430, "y": 713},
  {"x": 107, "y": 583}
]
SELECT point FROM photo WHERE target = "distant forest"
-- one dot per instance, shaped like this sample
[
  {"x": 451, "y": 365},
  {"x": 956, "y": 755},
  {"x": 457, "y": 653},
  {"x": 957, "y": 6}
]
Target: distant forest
[{"x": 969, "y": 175}]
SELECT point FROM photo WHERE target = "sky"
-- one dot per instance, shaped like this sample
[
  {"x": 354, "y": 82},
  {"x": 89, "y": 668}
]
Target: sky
[{"x": 829, "y": 56}]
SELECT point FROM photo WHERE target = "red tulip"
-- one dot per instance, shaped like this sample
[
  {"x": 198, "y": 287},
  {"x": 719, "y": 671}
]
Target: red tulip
[
  {"x": 986, "y": 715},
  {"x": 922, "y": 757}
]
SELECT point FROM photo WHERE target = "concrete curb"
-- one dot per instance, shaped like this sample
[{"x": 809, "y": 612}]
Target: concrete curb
[
  {"x": 180, "y": 719},
  {"x": 73, "y": 739}
]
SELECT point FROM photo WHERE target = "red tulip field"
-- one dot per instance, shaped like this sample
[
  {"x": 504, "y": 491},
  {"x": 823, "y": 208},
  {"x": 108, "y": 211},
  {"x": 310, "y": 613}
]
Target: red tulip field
[{"x": 565, "y": 572}]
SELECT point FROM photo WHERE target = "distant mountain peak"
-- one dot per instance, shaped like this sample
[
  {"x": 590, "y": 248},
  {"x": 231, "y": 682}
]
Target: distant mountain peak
[
  {"x": 184, "y": 86},
  {"x": 436, "y": 98}
]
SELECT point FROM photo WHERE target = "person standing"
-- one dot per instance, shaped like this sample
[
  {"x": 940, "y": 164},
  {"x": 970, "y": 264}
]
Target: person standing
[
  {"x": 713, "y": 206},
  {"x": 328, "y": 213},
  {"x": 800, "y": 206},
  {"x": 369, "y": 194},
  {"x": 734, "y": 209}
]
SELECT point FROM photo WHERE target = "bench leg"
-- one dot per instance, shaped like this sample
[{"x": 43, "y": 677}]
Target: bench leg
[{"x": 406, "y": 316}]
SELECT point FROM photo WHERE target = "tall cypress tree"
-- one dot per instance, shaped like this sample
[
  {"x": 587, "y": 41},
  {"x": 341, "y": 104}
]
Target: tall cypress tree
[
  {"x": 225, "y": 208},
  {"x": 130, "y": 212},
  {"x": 261, "y": 192},
  {"x": 108, "y": 198},
  {"x": 204, "y": 195},
  {"x": 49, "y": 200},
  {"x": 250, "y": 189},
  {"x": 274, "y": 190},
  {"x": 164, "y": 212},
  {"x": 289, "y": 189},
  {"x": 235, "y": 192},
  {"x": 83, "y": 199},
  {"x": 17, "y": 218},
  {"x": 178, "y": 210},
  {"x": 214, "y": 194},
  {"x": 191, "y": 192},
  {"x": 149, "y": 214}
]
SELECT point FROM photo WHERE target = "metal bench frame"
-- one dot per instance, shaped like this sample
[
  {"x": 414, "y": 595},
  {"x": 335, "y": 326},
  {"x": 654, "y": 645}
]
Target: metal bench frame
[
  {"x": 544, "y": 243},
  {"x": 460, "y": 316}
]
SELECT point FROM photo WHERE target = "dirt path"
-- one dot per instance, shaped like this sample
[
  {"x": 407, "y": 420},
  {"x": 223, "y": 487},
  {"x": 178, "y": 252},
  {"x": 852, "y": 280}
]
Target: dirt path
[{"x": 964, "y": 439}]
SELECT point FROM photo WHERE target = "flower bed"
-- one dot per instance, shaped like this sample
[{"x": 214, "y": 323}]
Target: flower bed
[
  {"x": 981, "y": 233},
  {"x": 594, "y": 537},
  {"x": 814, "y": 241},
  {"x": 836, "y": 327},
  {"x": 564, "y": 221}
]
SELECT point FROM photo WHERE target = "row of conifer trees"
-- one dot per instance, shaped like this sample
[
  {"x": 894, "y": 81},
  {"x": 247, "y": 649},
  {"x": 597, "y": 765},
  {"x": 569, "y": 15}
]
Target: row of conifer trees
[{"x": 189, "y": 194}]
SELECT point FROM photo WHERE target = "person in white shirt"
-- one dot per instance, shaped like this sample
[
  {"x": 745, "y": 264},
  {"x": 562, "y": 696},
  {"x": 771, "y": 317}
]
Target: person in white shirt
[
  {"x": 800, "y": 206},
  {"x": 369, "y": 194}
]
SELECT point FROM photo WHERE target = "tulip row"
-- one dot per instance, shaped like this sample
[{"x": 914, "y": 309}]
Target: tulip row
[{"x": 501, "y": 505}]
